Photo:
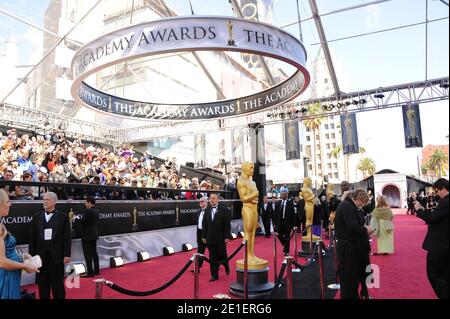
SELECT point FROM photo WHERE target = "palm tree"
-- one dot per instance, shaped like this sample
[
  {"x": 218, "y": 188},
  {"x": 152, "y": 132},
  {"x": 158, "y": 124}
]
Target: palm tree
[
  {"x": 336, "y": 152},
  {"x": 313, "y": 124},
  {"x": 425, "y": 168},
  {"x": 367, "y": 166},
  {"x": 439, "y": 162}
]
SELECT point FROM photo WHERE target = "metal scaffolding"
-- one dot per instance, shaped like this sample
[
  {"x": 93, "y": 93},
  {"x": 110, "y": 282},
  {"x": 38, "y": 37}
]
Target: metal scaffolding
[
  {"x": 34, "y": 120},
  {"x": 368, "y": 100}
]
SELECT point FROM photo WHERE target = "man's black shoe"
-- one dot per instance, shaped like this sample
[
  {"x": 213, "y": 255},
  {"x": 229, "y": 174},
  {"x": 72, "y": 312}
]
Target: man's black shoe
[
  {"x": 86, "y": 275},
  {"x": 213, "y": 279},
  {"x": 227, "y": 271},
  {"x": 193, "y": 271}
]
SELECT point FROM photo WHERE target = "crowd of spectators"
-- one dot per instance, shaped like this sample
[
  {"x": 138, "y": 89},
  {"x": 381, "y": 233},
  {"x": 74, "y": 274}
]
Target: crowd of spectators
[{"x": 47, "y": 156}]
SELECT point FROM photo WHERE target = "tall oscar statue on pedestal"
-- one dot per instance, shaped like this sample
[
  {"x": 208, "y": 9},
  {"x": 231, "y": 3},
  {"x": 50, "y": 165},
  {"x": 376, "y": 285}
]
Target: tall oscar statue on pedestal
[
  {"x": 309, "y": 197},
  {"x": 258, "y": 270}
]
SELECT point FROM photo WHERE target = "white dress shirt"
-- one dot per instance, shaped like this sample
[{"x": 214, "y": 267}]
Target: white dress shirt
[
  {"x": 200, "y": 220},
  {"x": 48, "y": 216}
]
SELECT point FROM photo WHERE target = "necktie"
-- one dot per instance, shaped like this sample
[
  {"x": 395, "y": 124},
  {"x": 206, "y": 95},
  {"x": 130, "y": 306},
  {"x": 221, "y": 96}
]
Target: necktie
[
  {"x": 284, "y": 208},
  {"x": 213, "y": 212}
]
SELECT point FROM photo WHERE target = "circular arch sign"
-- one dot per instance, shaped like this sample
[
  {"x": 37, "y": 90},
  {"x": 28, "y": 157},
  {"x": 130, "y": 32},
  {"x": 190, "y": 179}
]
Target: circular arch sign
[{"x": 198, "y": 33}]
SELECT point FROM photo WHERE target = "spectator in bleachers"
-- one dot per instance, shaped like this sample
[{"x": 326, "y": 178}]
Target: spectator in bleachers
[{"x": 25, "y": 192}]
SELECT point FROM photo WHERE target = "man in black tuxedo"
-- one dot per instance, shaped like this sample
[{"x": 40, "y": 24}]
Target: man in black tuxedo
[
  {"x": 353, "y": 245},
  {"x": 436, "y": 240},
  {"x": 266, "y": 212},
  {"x": 284, "y": 220},
  {"x": 201, "y": 246},
  {"x": 50, "y": 238},
  {"x": 89, "y": 237},
  {"x": 216, "y": 228}
]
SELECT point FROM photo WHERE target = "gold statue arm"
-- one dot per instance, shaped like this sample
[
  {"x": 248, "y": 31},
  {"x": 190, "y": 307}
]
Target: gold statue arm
[
  {"x": 307, "y": 196},
  {"x": 251, "y": 194}
]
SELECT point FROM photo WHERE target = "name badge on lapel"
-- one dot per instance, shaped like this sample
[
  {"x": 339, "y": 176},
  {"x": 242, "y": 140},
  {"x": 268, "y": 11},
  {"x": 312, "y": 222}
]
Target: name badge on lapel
[{"x": 48, "y": 234}]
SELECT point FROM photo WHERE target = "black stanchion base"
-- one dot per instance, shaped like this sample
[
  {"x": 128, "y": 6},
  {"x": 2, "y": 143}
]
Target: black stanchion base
[
  {"x": 258, "y": 283},
  {"x": 305, "y": 252}
]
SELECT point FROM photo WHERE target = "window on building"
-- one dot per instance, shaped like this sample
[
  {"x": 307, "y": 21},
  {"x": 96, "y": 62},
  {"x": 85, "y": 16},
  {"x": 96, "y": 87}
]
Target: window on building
[
  {"x": 325, "y": 80},
  {"x": 335, "y": 165},
  {"x": 333, "y": 145},
  {"x": 327, "y": 136},
  {"x": 317, "y": 137},
  {"x": 329, "y": 166},
  {"x": 308, "y": 138},
  {"x": 330, "y": 176},
  {"x": 328, "y": 155},
  {"x": 310, "y": 167},
  {"x": 327, "y": 146},
  {"x": 333, "y": 136},
  {"x": 319, "y": 166},
  {"x": 336, "y": 175},
  {"x": 307, "y": 129},
  {"x": 326, "y": 126},
  {"x": 332, "y": 126}
]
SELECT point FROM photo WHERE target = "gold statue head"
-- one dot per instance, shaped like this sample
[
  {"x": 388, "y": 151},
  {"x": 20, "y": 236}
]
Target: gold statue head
[
  {"x": 307, "y": 182},
  {"x": 247, "y": 168}
]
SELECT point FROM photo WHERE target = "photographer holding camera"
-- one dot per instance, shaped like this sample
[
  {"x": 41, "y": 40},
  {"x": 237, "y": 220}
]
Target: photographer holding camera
[{"x": 436, "y": 240}]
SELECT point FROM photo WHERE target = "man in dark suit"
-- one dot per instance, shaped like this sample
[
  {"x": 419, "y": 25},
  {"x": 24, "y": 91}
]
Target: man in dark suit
[
  {"x": 436, "y": 240},
  {"x": 353, "y": 245},
  {"x": 216, "y": 228},
  {"x": 265, "y": 211},
  {"x": 89, "y": 237},
  {"x": 284, "y": 220},
  {"x": 201, "y": 246},
  {"x": 50, "y": 238}
]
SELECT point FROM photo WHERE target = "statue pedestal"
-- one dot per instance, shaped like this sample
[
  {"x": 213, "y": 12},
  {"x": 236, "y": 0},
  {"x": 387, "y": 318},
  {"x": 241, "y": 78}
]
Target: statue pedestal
[
  {"x": 258, "y": 280},
  {"x": 305, "y": 252},
  {"x": 258, "y": 283}
]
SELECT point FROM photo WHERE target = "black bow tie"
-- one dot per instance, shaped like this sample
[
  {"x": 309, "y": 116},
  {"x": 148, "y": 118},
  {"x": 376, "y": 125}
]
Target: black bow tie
[{"x": 48, "y": 213}]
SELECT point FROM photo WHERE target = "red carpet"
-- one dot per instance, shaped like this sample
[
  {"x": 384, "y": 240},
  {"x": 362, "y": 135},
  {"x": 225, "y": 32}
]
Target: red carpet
[{"x": 402, "y": 275}]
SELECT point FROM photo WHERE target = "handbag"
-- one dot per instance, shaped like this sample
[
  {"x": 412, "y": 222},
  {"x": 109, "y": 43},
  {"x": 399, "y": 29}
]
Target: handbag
[{"x": 35, "y": 260}]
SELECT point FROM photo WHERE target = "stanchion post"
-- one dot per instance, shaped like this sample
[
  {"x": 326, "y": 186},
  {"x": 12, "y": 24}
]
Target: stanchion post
[
  {"x": 295, "y": 244},
  {"x": 245, "y": 271},
  {"x": 322, "y": 283},
  {"x": 336, "y": 284},
  {"x": 99, "y": 288},
  {"x": 311, "y": 241},
  {"x": 336, "y": 264},
  {"x": 289, "y": 278},
  {"x": 321, "y": 229},
  {"x": 196, "y": 276},
  {"x": 275, "y": 270}
]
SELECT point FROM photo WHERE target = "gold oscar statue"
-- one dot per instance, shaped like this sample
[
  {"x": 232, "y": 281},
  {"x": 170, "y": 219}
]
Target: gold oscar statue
[
  {"x": 348, "y": 127},
  {"x": 71, "y": 214},
  {"x": 248, "y": 194},
  {"x": 230, "y": 33},
  {"x": 412, "y": 122},
  {"x": 291, "y": 131},
  {"x": 135, "y": 226},
  {"x": 309, "y": 197}
]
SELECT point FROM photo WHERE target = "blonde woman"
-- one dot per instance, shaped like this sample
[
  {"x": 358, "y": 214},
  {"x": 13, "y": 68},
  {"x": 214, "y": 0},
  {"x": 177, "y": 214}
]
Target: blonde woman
[
  {"x": 10, "y": 262},
  {"x": 384, "y": 230}
]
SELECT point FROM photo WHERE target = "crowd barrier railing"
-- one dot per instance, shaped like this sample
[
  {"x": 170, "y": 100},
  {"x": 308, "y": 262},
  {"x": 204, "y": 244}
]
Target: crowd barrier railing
[{"x": 194, "y": 259}]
